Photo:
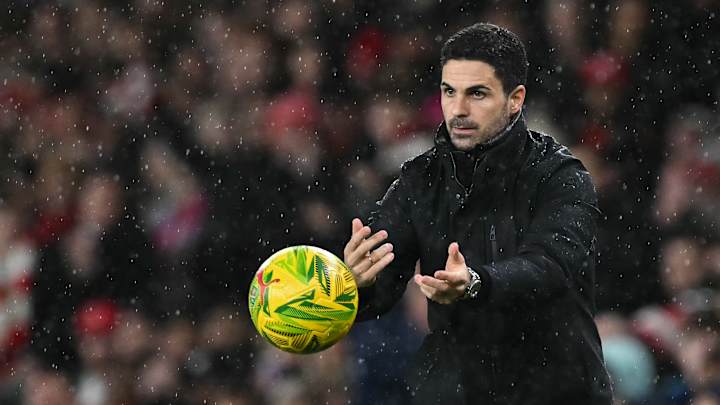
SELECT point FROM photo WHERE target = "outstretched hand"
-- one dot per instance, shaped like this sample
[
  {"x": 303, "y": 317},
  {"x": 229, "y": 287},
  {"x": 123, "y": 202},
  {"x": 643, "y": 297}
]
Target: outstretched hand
[
  {"x": 361, "y": 255},
  {"x": 448, "y": 284}
]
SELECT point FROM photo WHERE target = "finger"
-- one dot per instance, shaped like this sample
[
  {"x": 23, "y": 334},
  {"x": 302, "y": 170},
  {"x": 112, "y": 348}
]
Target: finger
[
  {"x": 355, "y": 240},
  {"x": 427, "y": 291},
  {"x": 360, "y": 267},
  {"x": 364, "y": 263},
  {"x": 356, "y": 225},
  {"x": 453, "y": 248},
  {"x": 452, "y": 277},
  {"x": 367, "y": 244},
  {"x": 454, "y": 255},
  {"x": 359, "y": 236},
  {"x": 439, "y": 285},
  {"x": 376, "y": 268},
  {"x": 384, "y": 249}
]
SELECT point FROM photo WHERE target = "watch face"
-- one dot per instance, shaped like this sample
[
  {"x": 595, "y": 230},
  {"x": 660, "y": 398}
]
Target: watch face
[{"x": 474, "y": 289}]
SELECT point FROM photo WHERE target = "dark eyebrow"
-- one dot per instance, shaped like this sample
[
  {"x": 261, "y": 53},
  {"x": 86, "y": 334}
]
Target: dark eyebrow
[
  {"x": 471, "y": 89},
  {"x": 478, "y": 87}
]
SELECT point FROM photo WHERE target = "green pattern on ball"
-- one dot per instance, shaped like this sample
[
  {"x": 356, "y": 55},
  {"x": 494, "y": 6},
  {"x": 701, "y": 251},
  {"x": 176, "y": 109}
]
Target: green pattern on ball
[{"x": 303, "y": 299}]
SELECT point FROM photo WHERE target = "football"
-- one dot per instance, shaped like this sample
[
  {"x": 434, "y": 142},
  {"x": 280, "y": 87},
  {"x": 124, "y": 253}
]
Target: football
[{"x": 303, "y": 299}]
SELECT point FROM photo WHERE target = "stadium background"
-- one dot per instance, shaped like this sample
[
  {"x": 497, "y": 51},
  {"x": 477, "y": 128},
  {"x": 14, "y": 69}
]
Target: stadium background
[{"x": 154, "y": 153}]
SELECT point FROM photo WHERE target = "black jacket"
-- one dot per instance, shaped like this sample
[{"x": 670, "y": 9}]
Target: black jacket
[{"x": 527, "y": 225}]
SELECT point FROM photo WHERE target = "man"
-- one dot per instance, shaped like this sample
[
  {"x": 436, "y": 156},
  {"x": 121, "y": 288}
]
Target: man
[{"x": 502, "y": 220}]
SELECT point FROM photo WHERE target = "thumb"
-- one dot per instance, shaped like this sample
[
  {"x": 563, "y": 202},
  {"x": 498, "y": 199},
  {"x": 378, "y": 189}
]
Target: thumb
[{"x": 454, "y": 255}]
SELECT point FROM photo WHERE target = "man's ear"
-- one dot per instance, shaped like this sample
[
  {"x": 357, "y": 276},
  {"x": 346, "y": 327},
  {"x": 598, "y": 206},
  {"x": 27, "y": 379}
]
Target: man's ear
[{"x": 516, "y": 99}]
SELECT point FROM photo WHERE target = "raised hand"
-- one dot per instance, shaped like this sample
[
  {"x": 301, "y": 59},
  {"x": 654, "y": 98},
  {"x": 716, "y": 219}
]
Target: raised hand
[
  {"x": 361, "y": 255},
  {"x": 448, "y": 284}
]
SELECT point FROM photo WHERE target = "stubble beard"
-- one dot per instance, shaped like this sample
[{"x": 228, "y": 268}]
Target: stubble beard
[{"x": 488, "y": 133}]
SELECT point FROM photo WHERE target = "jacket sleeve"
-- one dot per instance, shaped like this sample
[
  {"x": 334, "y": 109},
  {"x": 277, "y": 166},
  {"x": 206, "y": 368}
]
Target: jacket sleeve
[
  {"x": 556, "y": 250},
  {"x": 393, "y": 215}
]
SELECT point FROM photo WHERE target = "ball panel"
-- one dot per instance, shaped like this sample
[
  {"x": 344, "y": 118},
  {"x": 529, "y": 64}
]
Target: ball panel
[{"x": 253, "y": 302}]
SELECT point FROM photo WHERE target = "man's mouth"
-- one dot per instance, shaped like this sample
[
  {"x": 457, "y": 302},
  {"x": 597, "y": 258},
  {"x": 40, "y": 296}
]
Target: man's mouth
[{"x": 463, "y": 130}]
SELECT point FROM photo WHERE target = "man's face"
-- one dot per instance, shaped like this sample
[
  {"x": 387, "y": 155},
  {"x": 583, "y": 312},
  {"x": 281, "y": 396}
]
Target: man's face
[{"x": 474, "y": 104}]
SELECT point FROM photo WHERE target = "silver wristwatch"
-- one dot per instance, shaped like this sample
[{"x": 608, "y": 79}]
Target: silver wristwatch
[{"x": 473, "y": 288}]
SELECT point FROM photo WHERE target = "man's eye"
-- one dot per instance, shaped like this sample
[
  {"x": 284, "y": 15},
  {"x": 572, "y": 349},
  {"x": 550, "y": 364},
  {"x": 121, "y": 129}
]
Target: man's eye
[
  {"x": 478, "y": 94},
  {"x": 449, "y": 92}
]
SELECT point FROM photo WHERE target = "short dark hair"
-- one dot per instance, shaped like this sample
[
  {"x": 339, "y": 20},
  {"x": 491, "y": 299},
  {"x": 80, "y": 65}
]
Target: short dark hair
[{"x": 496, "y": 46}]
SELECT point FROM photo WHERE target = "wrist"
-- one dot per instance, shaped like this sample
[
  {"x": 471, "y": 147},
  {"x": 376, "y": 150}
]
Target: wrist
[{"x": 472, "y": 289}]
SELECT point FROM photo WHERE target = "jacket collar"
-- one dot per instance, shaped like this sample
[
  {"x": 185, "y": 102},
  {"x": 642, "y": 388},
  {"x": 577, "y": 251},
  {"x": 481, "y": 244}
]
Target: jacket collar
[{"x": 499, "y": 152}]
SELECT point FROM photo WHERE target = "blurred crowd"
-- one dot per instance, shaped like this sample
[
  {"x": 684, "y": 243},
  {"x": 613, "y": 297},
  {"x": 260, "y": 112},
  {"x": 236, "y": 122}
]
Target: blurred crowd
[{"x": 154, "y": 153}]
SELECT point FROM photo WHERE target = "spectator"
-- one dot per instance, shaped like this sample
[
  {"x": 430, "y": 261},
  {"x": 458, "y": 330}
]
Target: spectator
[
  {"x": 104, "y": 255},
  {"x": 17, "y": 265}
]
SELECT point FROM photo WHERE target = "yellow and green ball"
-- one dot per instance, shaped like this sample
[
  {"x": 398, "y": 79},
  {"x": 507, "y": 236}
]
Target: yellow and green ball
[{"x": 303, "y": 299}]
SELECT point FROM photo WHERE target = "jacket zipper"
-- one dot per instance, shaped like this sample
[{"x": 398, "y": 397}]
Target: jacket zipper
[
  {"x": 493, "y": 351},
  {"x": 493, "y": 243},
  {"x": 472, "y": 183}
]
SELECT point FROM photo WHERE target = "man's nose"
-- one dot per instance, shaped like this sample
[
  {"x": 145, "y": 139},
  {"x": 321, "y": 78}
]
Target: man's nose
[{"x": 460, "y": 107}]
